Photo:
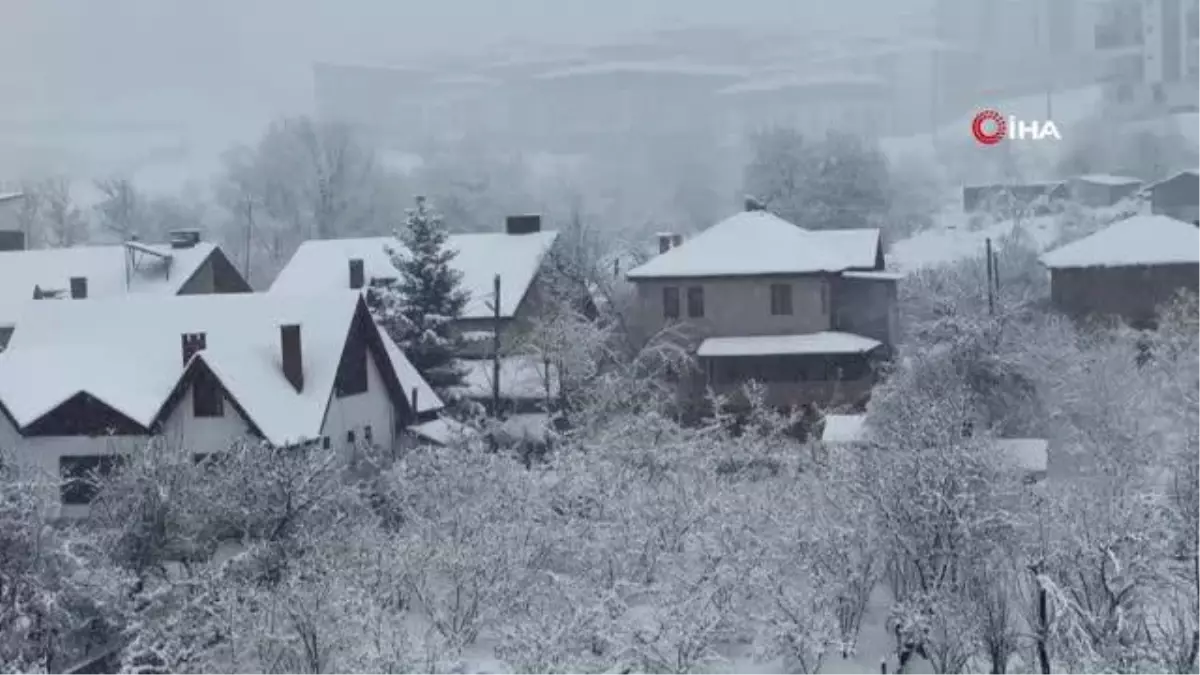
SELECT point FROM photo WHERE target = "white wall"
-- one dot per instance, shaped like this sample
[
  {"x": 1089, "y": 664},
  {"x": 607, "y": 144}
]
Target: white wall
[
  {"x": 201, "y": 435},
  {"x": 371, "y": 408}
]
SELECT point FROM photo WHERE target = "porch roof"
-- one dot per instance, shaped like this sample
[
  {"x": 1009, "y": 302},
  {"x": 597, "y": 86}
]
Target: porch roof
[{"x": 826, "y": 342}]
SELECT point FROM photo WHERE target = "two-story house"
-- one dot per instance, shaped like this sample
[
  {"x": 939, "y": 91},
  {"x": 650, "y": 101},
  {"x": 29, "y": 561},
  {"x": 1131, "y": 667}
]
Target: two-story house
[
  {"x": 185, "y": 266},
  {"x": 83, "y": 382},
  {"x": 805, "y": 313},
  {"x": 520, "y": 258},
  {"x": 1127, "y": 270}
]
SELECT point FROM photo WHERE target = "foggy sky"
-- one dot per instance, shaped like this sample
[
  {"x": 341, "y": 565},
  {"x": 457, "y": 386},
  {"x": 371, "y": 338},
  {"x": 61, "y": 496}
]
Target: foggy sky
[{"x": 57, "y": 51}]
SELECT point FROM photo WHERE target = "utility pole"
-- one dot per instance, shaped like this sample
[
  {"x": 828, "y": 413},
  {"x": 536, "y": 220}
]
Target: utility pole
[
  {"x": 496, "y": 347},
  {"x": 249, "y": 232},
  {"x": 991, "y": 278}
]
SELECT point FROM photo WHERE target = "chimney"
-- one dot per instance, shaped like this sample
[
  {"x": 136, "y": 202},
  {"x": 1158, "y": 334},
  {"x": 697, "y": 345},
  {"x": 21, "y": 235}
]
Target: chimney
[
  {"x": 754, "y": 204},
  {"x": 676, "y": 240},
  {"x": 293, "y": 366},
  {"x": 665, "y": 239},
  {"x": 523, "y": 224},
  {"x": 12, "y": 240},
  {"x": 184, "y": 238},
  {"x": 192, "y": 343},
  {"x": 78, "y": 288},
  {"x": 357, "y": 277}
]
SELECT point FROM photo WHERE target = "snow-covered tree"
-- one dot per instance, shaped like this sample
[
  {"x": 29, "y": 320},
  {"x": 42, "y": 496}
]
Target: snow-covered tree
[
  {"x": 120, "y": 212},
  {"x": 49, "y": 215},
  {"x": 837, "y": 182},
  {"x": 419, "y": 308},
  {"x": 303, "y": 179}
]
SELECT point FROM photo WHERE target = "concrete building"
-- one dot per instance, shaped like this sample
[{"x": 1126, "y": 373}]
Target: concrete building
[
  {"x": 1177, "y": 197},
  {"x": 1100, "y": 190},
  {"x": 1149, "y": 53},
  {"x": 805, "y": 313}
]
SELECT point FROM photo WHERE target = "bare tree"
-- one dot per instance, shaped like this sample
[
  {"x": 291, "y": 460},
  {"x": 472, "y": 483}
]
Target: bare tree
[{"x": 120, "y": 212}]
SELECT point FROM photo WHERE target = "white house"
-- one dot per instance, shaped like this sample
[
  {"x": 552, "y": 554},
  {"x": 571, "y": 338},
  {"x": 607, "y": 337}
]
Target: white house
[
  {"x": 84, "y": 380},
  {"x": 519, "y": 256},
  {"x": 185, "y": 266}
]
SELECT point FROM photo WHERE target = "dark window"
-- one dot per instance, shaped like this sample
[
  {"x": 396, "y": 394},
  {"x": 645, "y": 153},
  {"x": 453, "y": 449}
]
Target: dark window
[
  {"x": 671, "y": 302},
  {"x": 80, "y": 476},
  {"x": 324, "y": 442},
  {"x": 350, "y": 436},
  {"x": 207, "y": 400},
  {"x": 368, "y": 436},
  {"x": 781, "y": 299},
  {"x": 695, "y": 302},
  {"x": 352, "y": 379},
  {"x": 824, "y": 298}
]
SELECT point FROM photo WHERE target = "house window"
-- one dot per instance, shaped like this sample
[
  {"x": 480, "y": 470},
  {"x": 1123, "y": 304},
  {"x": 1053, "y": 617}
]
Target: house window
[
  {"x": 324, "y": 442},
  {"x": 670, "y": 302},
  {"x": 352, "y": 376},
  {"x": 207, "y": 400},
  {"x": 350, "y": 436},
  {"x": 695, "y": 302},
  {"x": 368, "y": 435},
  {"x": 781, "y": 299},
  {"x": 80, "y": 476}
]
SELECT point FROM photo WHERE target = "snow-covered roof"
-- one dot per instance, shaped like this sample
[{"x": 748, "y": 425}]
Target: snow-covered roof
[
  {"x": 843, "y": 428},
  {"x": 521, "y": 377},
  {"x": 104, "y": 267},
  {"x": 1027, "y": 454},
  {"x": 875, "y": 276},
  {"x": 826, "y": 342},
  {"x": 6, "y": 196},
  {"x": 445, "y": 431},
  {"x": 754, "y": 243},
  {"x": 126, "y": 352},
  {"x": 1104, "y": 179},
  {"x": 322, "y": 265},
  {"x": 1194, "y": 174},
  {"x": 1139, "y": 240},
  {"x": 427, "y": 398}
]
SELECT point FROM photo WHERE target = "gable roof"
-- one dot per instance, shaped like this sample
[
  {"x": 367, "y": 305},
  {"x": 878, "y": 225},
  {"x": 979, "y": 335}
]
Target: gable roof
[
  {"x": 1193, "y": 174},
  {"x": 1109, "y": 180},
  {"x": 753, "y": 243},
  {"x": 110, "y": 270},
  {"x": 322, "y": 265},
  {"x": 1139, "y": 240},
  {"x": 127, "y": 353}
]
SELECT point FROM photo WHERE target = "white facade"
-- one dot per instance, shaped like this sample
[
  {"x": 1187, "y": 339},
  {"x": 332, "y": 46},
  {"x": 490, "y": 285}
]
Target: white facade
[{"x": 370, "y": 413}]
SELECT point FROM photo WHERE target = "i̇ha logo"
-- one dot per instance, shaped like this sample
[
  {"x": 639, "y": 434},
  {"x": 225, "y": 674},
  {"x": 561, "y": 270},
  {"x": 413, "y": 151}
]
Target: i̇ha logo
[{"x": 990, "y": 127}]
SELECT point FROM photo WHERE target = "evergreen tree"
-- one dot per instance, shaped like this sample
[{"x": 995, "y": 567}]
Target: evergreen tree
[{"x": 417, "y": 310}]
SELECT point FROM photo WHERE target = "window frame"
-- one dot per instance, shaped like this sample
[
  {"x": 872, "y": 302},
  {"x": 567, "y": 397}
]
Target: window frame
[
  {"x": 671, "y": 302},
  {"x": 781, "y": 300},
  {"x": 695, "y": 302}
]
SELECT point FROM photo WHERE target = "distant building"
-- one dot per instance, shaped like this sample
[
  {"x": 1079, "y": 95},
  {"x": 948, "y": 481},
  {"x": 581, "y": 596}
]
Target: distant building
[
  {"x": 1100, "y": 190},
  {"x": 83, "y": 382},
  {"x": 1149, "y": 49},
  {"x": 186, "y": 266},
  {"x": 1036, "y": 197},
  {"x": 1177, "y": 197},
  {"x": 805, "y": 313},
  {"x": 1127, "y": 270},
  {"x": 12, "y": 238}
]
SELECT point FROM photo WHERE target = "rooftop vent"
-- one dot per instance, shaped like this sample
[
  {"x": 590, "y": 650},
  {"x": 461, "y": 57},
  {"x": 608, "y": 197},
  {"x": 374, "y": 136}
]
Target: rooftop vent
[
  {"x": 184, "y": 238},
  {"x": 754, "y": 204},
  {"x": 79, "y": 288}
]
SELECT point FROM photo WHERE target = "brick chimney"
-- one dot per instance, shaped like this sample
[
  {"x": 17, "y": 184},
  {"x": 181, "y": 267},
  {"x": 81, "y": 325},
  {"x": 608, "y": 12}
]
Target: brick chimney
[
  {"x": 79, "y": 288},
  {"x": 676, "y": 240},
  {"x": 528, "y": 224},
  {"x": 665, "y": 241},
  {"x": 357, "y": 276},
  {"x": 293, "y": 365},
  {"x": 192, "y": 343},
  {"x": 184, "y": 238}
]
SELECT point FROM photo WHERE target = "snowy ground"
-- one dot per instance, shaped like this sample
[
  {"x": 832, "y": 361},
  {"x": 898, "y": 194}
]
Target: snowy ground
[{"x": 952, "y": 238}]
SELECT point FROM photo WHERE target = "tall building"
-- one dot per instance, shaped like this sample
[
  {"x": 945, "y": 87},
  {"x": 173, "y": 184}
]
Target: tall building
[{"x": 1149, "y": 50}]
